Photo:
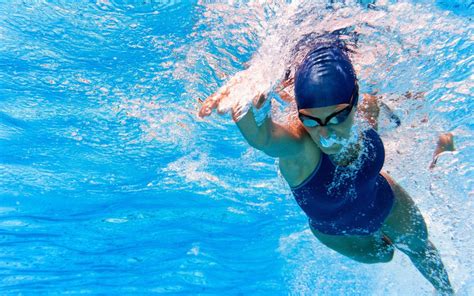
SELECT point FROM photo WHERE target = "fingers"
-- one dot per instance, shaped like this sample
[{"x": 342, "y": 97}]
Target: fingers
[
  {"x": 221, "y": 111},
  {"x": 259, "y": 100},
  {"x": 284, "y": 84},
  {"x": 238, "y": 111},
  {"x": 218, "y": 100},
  {"x": 207, "y": 107},
  {"x": 212, "y": 102},
  {"x": 204, "y": 112},
  {"x": 281, "y": 89},
  {"x": 286, "y": 97}
]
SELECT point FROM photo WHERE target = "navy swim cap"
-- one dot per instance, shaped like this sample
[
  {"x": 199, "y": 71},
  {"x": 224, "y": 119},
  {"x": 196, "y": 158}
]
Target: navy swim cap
[{"x": 326, "y": 77}]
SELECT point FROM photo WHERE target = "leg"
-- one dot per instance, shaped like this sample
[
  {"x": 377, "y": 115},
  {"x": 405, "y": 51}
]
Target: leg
[
  {"x": 445, "y": 143},
  {"x": 406, "y": 228},
  {"x": 364, "y": 249}
]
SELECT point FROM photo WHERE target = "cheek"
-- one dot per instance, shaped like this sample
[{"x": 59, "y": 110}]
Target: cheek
[
  {"x": 312, "y": 133},
  {"x": 344, "y": 129}
]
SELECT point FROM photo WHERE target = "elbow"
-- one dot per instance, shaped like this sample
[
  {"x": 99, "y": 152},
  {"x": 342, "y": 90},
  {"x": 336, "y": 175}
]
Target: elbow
[
  {"x": 260, "y": 141},
  {"x": 259, "y": 144}
]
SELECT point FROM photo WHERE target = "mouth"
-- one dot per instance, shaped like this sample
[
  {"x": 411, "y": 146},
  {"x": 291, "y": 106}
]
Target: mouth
[
  {"x": 335, "y": 144},
  {"x": 331, "y": 141}
]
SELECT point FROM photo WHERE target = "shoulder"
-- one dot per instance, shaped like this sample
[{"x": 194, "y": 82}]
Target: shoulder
[
  {"x": 297, "y": 168},
  {"x": 374, "y": 149},
  {"x": 373, "y": 137}
]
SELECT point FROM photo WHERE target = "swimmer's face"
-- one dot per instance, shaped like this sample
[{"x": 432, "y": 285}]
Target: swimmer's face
[{"x": 328, "y": 137}]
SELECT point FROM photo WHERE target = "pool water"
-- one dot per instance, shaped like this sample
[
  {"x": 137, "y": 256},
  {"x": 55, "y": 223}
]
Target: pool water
[{"x": 111, "y": 184}]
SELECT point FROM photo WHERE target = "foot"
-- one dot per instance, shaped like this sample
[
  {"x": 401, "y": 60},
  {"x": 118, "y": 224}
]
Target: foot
[{"x": 445, "y": 143}]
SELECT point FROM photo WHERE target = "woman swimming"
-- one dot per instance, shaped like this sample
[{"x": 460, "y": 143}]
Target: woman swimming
[{"x": 334, "y": 169}]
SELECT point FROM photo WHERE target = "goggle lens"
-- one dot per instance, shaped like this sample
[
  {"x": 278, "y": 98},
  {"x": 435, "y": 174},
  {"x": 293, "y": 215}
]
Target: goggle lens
[{"x": 333, "y": 119}]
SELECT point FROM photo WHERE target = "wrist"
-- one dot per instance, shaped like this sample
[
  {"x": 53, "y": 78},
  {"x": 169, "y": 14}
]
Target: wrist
[{"x": 263, "y": 112}]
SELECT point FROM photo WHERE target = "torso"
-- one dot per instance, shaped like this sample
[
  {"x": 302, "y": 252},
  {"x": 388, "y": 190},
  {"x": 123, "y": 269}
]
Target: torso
[{"x": 336, "y": 212}]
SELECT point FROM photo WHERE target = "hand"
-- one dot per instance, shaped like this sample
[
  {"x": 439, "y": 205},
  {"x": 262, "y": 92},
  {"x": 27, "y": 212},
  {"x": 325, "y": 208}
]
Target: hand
[
  {"x": 237, "y": 96},
  {"x": 215, "y": 100},
  {"x": 282, "y": 89},
  {"x": 212, "y": 102},
  {"x": 240, "y": 109}
]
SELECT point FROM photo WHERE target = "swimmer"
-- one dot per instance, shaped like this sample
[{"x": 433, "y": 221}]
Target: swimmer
[{"x": 334, "y": 168}]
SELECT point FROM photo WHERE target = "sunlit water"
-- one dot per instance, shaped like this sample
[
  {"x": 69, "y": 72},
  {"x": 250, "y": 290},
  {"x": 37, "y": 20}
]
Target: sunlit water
[{"x": 110, "y": 184}]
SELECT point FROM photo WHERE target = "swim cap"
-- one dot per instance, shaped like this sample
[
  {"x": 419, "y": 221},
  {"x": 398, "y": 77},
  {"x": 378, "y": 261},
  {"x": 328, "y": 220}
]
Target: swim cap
[{"x": 326, "y": 77}]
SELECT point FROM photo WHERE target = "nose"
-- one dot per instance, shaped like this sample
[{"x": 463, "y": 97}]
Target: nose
[{"x": 323, "y": 131}]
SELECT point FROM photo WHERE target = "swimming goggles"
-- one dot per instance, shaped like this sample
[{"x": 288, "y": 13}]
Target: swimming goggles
[{"x": 333, "y": 119}]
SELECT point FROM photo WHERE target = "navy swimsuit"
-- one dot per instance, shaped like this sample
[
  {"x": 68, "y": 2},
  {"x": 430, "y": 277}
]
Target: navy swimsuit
[{"x": 348, "y": 200}]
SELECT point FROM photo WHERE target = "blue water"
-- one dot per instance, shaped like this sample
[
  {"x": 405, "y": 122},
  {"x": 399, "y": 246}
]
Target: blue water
[{"x": 111, "y": 185}]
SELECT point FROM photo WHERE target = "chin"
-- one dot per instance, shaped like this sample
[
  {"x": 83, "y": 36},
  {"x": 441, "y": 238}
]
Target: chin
[{"x": 334, "y": 149}]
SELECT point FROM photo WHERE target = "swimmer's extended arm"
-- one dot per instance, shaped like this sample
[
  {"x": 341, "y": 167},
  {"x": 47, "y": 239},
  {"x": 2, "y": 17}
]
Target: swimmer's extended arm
[{"x": 270, "y": 137}]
